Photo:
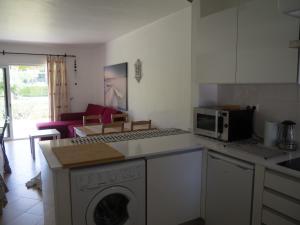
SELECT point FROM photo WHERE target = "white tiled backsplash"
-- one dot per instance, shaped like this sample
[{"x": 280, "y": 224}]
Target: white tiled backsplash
[{"x": 277, "y": 102}]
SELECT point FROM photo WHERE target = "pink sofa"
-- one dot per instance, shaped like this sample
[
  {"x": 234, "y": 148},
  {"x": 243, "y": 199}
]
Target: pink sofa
[{"x": 70, "y": 120}]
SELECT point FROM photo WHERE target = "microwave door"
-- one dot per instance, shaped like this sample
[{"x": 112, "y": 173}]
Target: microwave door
[{"x": 206, "y": 123}]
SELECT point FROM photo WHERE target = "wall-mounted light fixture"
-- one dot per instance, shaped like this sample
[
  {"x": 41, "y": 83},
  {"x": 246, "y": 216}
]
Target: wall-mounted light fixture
[{"x": 138, "y": 70}]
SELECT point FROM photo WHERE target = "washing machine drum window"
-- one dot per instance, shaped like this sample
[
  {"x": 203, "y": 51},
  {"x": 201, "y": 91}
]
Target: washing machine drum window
[
  {"x": 113, "y": 206},
  {"x": 112, "y": 210}
]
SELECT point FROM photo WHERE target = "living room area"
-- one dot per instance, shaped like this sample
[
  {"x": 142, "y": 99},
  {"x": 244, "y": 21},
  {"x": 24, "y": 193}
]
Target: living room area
[{"x": 153, "y": 42}]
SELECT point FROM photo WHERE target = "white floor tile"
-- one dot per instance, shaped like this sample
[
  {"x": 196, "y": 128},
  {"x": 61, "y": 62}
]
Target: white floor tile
[
  {"x": 26, "y": 219},
  {"x": 37, "y": 210}
]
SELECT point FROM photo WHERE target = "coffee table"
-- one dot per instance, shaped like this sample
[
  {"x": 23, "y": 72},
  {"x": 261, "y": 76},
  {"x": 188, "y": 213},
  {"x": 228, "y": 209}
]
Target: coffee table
[{"x": 53, "y": 133}]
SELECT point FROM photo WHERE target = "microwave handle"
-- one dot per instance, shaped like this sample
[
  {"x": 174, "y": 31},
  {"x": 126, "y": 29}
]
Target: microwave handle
[{"x": 217, "y": 124}]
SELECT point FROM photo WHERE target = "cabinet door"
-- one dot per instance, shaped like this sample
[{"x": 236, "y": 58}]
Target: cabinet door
[
  {"x": 216, "y": 54},
  {"x": 228, "y": 191},
  {"x": 214, "y": 6},
  {"x": 263, "y": 53},
  {"x": 174, "y": 188}
]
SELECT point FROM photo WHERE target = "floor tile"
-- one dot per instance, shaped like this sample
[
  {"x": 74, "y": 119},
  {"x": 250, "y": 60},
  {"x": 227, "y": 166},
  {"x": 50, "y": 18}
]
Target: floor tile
[
  {"x": 37, "y": 210},
  {"x": 27, "y": 219},
  {"x": 40, "y": 222},
  {"x": 22, "y": 191},
  {"x": 11, "y": 197},
  {"x": 9, "y": 215},
  {"x": 24, "y": 205}
]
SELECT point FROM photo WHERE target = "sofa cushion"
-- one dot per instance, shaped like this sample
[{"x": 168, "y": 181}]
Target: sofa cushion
[
  {"x": 71, "y": 132},
  {"x": 72, "y": 116},
  {"x": 106, "y": 116},
  {"x": 94, "y": 110}
]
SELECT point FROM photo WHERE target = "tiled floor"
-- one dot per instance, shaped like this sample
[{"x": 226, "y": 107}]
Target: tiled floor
[{"x": 24, "y": 205}]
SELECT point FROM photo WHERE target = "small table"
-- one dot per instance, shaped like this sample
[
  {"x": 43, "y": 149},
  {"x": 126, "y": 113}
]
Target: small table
[{"x": 40, "y": 134}]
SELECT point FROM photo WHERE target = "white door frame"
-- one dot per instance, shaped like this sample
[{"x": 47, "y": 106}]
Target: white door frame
[{"x": 7, "y": 79}]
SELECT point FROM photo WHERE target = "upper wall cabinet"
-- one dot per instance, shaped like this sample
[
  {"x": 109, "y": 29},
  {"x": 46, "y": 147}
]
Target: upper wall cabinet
[
  {"x": 216, "y": 53},
  {"x": 245, "y": 41},
  {"x": 263, "y": 53},
  {"x": 209, "y": 7}
]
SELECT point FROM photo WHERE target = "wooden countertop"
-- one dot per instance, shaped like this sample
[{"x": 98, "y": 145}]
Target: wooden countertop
[{"x": 86, "y": 155}]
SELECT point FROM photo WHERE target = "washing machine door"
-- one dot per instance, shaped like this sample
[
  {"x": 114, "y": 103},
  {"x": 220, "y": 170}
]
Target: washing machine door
[{"x": 112, "y": 206}]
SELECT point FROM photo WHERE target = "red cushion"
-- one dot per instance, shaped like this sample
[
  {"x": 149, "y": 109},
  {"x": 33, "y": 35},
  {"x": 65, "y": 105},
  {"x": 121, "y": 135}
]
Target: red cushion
[
  {"x": 71, "y": 132},
  {"x": 106, "y": 116},
  {"x": 94, "y": 110},
  {"x": 61, "y": 126}
]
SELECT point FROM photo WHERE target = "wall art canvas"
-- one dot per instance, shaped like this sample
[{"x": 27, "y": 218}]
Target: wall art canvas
[{"x": 115, "y": 86}]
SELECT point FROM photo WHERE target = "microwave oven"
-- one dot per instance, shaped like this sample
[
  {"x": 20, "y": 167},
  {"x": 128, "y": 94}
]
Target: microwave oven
[{"x": 224, "y": 124}]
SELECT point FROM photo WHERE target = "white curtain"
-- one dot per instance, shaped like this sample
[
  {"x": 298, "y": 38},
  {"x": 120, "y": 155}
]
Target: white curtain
[{"x": 58, "y": 87}]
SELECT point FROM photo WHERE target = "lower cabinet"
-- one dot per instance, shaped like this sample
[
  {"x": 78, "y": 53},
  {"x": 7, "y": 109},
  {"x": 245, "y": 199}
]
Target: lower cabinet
[
  {"x": 229, "y": 188},
  {"x": 272, "y": 217},
  {"x": 174, "y": 188},
  {"x": 281, "y": 199}
]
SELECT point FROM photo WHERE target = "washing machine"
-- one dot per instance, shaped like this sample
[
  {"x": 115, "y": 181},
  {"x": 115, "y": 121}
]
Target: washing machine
[{"x": 112, "y": 194}]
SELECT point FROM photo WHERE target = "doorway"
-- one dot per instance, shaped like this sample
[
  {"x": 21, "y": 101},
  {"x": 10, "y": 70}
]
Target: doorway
[{"x": 27, "y": 98}]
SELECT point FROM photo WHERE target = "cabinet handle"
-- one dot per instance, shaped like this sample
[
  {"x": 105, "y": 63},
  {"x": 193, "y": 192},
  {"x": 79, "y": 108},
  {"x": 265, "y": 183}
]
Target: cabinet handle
[
  {"x": 244, "y": 168},
  {"x": 231, "y": 161}
]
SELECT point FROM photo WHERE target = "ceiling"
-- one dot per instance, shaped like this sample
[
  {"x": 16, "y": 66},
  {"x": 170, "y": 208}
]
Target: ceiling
[{"x": 78, "y": 21}]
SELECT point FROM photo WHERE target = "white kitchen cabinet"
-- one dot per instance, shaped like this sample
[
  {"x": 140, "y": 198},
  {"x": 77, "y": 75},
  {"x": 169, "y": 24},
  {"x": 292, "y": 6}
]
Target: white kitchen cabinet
[
  {"x": 246, "y": 43},
  {"x": 281, "y": 199},
  {"x": 263, "y": 53},
  {"x": 216, "y": 47},
  {"x": 174, "y": 188},
  {"x": 56, "y": 194},
  {"x": 229, "y": 188},
  {"x": 209, "y": 7},
  {"x": 272, "y": 217}
]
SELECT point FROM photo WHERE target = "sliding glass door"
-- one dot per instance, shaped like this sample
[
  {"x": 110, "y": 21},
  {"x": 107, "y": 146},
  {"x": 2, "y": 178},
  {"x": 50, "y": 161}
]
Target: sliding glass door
[
  {"x": 24, "y": 98},
  {"x": 4, "y": 99},
  {"x": 28, "y": 97}
]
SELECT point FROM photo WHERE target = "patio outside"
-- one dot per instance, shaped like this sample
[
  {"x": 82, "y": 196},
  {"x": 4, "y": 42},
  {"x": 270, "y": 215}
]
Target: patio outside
[{"x": 29, "y": 98}]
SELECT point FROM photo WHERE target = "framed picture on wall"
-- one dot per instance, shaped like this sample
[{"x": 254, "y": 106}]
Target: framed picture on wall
[{"x": 115, "y": 86}]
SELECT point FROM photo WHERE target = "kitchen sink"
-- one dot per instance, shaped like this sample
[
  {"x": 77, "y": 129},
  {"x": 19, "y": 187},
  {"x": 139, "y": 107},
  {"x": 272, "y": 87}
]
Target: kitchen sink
[{"x": 293, "y": 164}]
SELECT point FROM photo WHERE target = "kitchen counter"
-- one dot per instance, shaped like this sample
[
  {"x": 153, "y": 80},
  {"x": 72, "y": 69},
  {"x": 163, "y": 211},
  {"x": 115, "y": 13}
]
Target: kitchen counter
[
  {"x": 132, "y": 149},
  {"x": 157, "y": 146},
  {"x": 56, "y": 180}
]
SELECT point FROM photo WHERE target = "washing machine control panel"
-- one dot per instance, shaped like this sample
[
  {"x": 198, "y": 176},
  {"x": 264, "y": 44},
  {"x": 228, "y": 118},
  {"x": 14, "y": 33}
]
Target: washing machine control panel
[{"x": 96, "y": 179}]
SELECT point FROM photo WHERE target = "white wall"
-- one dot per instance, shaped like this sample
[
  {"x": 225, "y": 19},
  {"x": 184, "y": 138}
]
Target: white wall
[
  {"x": 164, "y": 47},
  {"x": 89, "y": 88},
  {"x": 89, "y": 77}
]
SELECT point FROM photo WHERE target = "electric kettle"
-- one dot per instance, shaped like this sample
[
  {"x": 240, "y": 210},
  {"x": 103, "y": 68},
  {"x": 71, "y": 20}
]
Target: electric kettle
[{"x": 286, "y": 135}]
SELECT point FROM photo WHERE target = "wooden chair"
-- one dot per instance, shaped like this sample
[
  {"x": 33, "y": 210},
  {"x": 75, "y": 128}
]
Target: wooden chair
[
  {"x": 141, "y": 125},
  {"x": 115, "y": 127},
  {"x": 122, "y": 117},
  {"x": 92, "y": 119}
]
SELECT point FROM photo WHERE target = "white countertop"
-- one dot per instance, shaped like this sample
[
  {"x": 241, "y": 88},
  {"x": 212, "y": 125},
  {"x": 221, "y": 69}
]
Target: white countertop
[
  {"x": 132, "y": 149},
  {"x": 157, "y": 146}
]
